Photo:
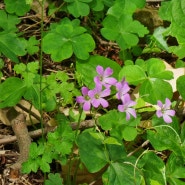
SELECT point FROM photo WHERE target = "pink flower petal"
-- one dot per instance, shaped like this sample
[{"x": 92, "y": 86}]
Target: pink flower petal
[
  {"x": 99, "y": 70},
  {"x": 127, "y": 116},
  {"x": 97, "y": 80},
  {"x": 108, "y": 71},
  {"x": 80, "y": 99},
  {"x": 132, "y": 112},
  {"x": 159, "y": 113},
  {"x": 110, "y": 80},
  {"x": 170, "y": 112},
  {"x": 95, "y": 102},
  {"x": 86, "y": 106},
  {"x": 160, "y": 104},
  {"x": 167, "y": 104},
  {"x": 121, "y": 108},
  {"x": 104, "y": 103},
  {"x": 105, "y": 93},
  {"x": 167, "y": 118}
]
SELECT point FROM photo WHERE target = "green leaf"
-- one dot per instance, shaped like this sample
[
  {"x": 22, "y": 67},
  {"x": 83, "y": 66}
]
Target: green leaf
[
  {"x": 134, "y": 74},
  {"x": 159, "y": 38},
  {"x": 96, "y": 158},
  {"x": 61, "y": 75},
  {"x": 119, "y": 128},
  {"x": 124, "y": 31},
  {"x": 74, "y": 116},
  {"x": 111, "y": 141},
  {"x": 116, "y": 152},
  {"x": 62, "y": 147},
  {"x": 156, "y": 69},
  {"x": 78, "y": 7},
  {"x": 121, "y": 7},
  {"x": 1, "y": 63},
  {"x": 19, "y": 7},
  {"x": 107, "y": 123},
  {"x": 87, "y": 42},
  {"x": 178, "y": 50},
  {"x": 11, "y": 46},
  {"x": 30, "y": 165},
  {"x": 8, "y": 22},
  {"x": 32, "y": 45},
  {"x": 66, "y": 38},
  {"x": 54, "y": 179},
  {"x": 181, "y": 86},
  {"x": 179, "y": 63},
  {"x": 67, "y": 92},
  {"x": 121, "y": 173},
  {"x": 178, "y": 12},
  {"x": 173, "y": 11},
  {"x": 33, "y": 94},
  {"x": 174, "y": 181},
  {"x": 164, "y": 137},
  {"x": 35, "y": 150},
  {"x": 11, "y": 91},
  {"x": 155, "y": 89},
  {"x": 126, "y": 132},
  {"x": 19, "y": 68},
  {"x": 62, "y": 139},
  {"x": 90, "y": 65},
  {"x": 97, "y": 5},
  {"x": 165, "y": 10},
  {"x": 138, "y": 3},
  {"x": 141, "y": 63},
  {"x": 153, "y": 174},
  {"x": 129, "y": 133},
  {"x": 33, "y": 67},
  {"x": 182, "y": 134},
  {"x": 50, "y": 104},
  {"x": 175, "y": 168},
  {"x": 44, "y": 166},
  {"x": 29, "y": 2}
]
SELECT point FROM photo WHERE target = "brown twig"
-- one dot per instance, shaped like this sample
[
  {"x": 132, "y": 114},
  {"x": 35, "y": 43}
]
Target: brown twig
[
  {"x": 32, "y": 134},
  {"x": 141, "y": 146},
  {"x": 21, "y": 132},
  {"x": 36, "y": 133}
]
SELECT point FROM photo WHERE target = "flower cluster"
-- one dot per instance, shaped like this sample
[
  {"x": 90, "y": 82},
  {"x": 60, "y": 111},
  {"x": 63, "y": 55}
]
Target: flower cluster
[{"x": 103, "y": 82}]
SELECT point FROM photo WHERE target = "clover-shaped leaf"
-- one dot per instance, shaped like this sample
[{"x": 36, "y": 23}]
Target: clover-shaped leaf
[
  {"x": 124, "y": 30},
  {"x": 78, "y": 7},
  {"x": 125, "y": 7},
  {"x": 98, "y": 5},
  {"x": 119, "y": 25},
  {"x": 19, "y": 7},
  {"x": 66, "y": 38}
]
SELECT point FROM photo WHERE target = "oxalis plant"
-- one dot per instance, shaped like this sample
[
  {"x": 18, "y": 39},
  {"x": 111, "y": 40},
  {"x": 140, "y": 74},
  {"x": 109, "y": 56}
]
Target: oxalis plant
[{"x": 129, "y": 126}]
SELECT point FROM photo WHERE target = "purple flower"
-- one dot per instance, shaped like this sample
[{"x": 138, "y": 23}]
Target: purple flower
[
  {"x": 103, "y": 76},
  {"x": 97, "y": 96},
  {"x": 85, "y": 99},
  {"x": 122, "y": 88},
  {"x": 127, "y": 103},
  {"x": 165, "y": 111}
]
